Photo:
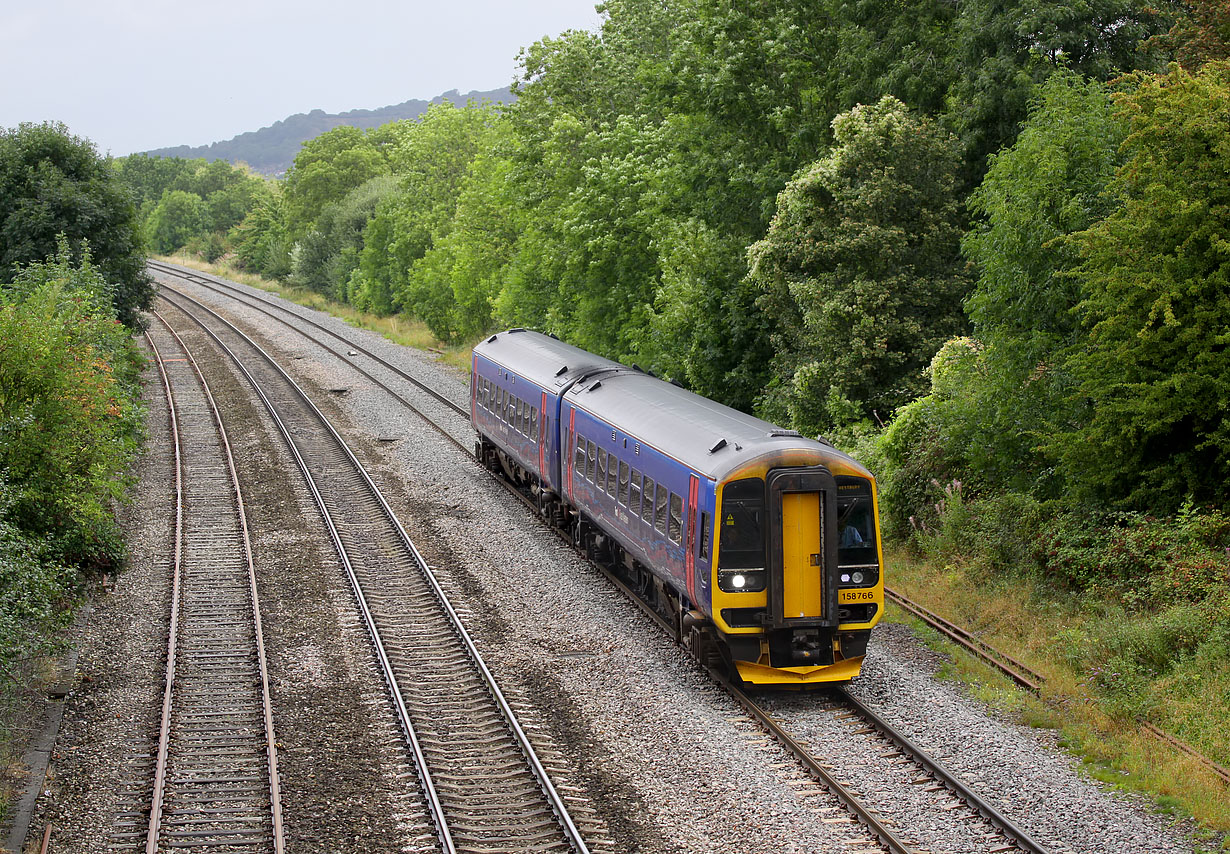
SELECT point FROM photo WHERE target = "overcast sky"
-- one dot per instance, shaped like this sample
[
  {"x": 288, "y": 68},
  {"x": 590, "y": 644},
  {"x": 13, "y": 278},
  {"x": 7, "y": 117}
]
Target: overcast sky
[{"x": 134, "y": 75}]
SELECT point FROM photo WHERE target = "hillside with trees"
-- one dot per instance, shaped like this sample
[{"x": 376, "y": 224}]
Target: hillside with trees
[{"x": 271, "y": 150}]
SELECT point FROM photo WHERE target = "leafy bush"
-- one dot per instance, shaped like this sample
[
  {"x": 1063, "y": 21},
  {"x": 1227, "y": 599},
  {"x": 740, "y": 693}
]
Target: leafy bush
[
  {"x": 69, "y": 418},
  {"x": 34, "y": 594}
]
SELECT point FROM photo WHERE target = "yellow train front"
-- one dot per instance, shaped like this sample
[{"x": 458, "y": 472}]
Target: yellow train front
[
  {"x": 754, "y": 541},
  {"x": 797, "y": 585}
]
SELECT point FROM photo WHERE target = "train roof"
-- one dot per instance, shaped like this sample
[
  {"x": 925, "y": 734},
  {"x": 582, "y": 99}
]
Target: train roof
[
  {"x": 709, "y": 437},
  {"x": 542, "y": 359}
]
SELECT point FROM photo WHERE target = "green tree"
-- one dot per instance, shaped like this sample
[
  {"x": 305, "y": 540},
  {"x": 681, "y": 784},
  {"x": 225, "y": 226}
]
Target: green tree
[
  {"x": 1156, "y": 271},
  {"x": 53, "y": 183},
  {"x": 860, "y": 270},
  {"x": 326, "y": 169},
  {"x": 431, "y": 159},
  {"x": 178, "y": 217},
  {"x": 1005, "y": 49},
  {"x": 1050, "y": 184},
  {"x": 262, "y": 239},
  {"x": 329, "y": 253}
]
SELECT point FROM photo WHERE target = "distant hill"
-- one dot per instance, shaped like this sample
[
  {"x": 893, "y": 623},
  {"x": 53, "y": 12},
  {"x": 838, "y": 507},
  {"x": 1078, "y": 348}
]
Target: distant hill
[{"x": 272, "y": 150}]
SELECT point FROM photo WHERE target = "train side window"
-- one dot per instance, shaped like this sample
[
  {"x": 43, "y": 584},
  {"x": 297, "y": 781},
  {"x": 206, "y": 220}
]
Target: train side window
[
  {"x": 487, "y": 394},
  {"x": 659, "y": 518},
  {"x": 523, "y": 416},
  {"x": 634, "y": 498},
  {"x": 612, "y": 475},
  {"x": 534, "y": 423},
  {"x": 578, "y": 456},
  {"x": 704, "y": 535},
  {"x": 602, "y": 461},
  {"x": 676, "y": 520},
  {"x": 623, "y": 483},
  {"x": 593, "y": 461},
  {"x": 499, "y": 404},
  {"x": 647, "y": 509}
]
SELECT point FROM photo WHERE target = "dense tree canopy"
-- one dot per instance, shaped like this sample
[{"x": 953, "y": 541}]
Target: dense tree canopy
[
  {"x": 860, "y": 269},
  {"x": 1156, "y": 272},
  {"x": 766, "y": 201},
  {"x": 53, "y": 183}
]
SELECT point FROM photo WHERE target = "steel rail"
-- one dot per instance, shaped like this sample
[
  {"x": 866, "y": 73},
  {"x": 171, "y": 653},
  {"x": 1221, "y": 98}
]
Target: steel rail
[
  {"x": 1029, "y": 679},
  {"x": 1010, "y": 667},
  {"x": 258, "y": 625},
  {"x": 164, "y": 733},
  {"x": 156, "y": 810},
  {"x": 555, "y": 800},
  {"x": 944, "y": 776},
  {"x": 219, "y": 286},
  {"x": 844, "y": 796}
]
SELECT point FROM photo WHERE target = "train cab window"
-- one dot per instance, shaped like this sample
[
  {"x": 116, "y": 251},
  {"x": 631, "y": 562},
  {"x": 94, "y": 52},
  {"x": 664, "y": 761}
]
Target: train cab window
[
  {"x": 659, "y": 516},
  {"x": 593, "y": 461},
  {"x": 623, "y": 483},
  {"x": 600, "y": 479},
  {"x": 634, "y": 500},
  {"x": 741, "y": 544},
  {"x": 676, "y": 519},
  {"x": 612, "y": 475},
  {"x": 704, "y": 535},
  {"x": 856, "y": 543},
  {"x": 647, "y": 509}
]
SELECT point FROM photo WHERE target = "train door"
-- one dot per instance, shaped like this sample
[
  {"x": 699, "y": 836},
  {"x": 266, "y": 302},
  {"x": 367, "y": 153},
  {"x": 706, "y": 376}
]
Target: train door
[
  {"x": 802, "y": 552},
  {"x": 690, "y": 539},
  {"x": 802, "y": 547}
]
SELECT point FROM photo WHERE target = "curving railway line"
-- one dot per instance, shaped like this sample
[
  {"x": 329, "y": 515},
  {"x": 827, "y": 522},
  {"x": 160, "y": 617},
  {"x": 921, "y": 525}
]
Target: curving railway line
[
  {"x": 213, "y": 781},
  {"x": 485, "y": 788},
  {"x": 1012, "y": 669},
  {"x": 948, "y": 791}
]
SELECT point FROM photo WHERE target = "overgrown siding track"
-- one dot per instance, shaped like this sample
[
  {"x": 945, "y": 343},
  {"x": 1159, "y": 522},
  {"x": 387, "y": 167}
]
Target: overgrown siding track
[
  {"x": 487, "y": 790},
  {"x": 946, "y": 790},
  {"x": 212, "y": 781}
]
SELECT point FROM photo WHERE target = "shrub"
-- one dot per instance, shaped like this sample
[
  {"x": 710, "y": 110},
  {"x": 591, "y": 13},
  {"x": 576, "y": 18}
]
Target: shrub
[{"x": 69, "y": 420}]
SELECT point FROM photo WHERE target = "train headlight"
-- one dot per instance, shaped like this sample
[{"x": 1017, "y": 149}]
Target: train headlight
[
  {"x": 864, "y": 575},
  {"x": 741, "y": 580}
]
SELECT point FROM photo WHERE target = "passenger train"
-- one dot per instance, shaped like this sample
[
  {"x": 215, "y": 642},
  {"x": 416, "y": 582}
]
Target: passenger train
[{"x": 759, "y": 545}]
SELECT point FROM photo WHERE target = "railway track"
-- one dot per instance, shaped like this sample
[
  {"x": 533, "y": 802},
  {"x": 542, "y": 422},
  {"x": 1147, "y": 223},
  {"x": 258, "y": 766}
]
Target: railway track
[
  {"x": 212, "y": 781},
  {"x": 880, "y": 835},
  {"x": 486, "y": 789},
  {"x": 1014, "y": 670}
]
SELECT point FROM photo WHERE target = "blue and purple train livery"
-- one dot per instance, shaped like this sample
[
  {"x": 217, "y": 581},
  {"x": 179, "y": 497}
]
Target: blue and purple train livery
[{"x": 755, "y": 541}]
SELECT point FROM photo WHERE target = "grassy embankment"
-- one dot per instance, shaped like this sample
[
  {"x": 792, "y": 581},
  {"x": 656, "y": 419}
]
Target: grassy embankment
[
  {"x": 1053, "y": 633},
  {"x": 1071, "y": 639}
]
